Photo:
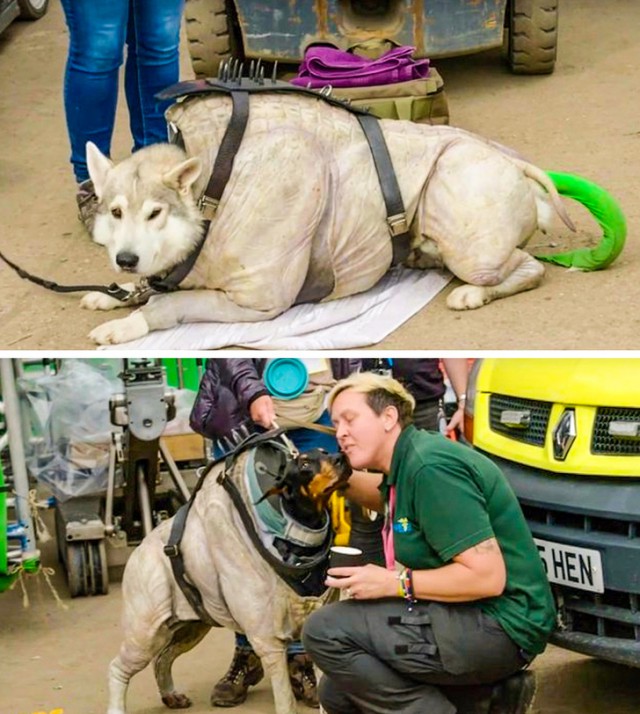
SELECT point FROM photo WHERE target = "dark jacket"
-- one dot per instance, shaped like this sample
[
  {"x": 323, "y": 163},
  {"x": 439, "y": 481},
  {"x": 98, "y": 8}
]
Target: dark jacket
[
  {"x": 229, "y": 386},
  {"x": 421, "y": 377}
]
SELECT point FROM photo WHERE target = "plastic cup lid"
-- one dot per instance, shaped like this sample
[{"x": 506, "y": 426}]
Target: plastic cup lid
[{"x": 286, "y": 378}]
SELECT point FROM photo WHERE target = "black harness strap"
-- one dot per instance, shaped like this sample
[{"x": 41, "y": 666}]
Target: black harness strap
[
  {"x": 176, "y": 275},
  {"x": 172, "y": 550},
  {"x": 396, "y": 216},
  {"x": 229, "y": 147}
]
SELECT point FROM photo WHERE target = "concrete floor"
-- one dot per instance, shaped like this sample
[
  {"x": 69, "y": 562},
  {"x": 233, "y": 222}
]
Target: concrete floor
[{"x": 56, "y": 659}]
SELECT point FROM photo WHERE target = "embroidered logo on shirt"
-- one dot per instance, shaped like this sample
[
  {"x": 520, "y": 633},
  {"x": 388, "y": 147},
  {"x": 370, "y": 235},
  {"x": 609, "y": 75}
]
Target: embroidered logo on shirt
[{"x": 402, "y": 525}]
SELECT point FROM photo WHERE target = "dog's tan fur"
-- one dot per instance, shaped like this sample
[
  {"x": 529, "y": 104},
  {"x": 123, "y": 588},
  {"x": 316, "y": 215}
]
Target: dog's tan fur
[
  {"x": 304, "y": 194},
  {"x": 220, "y": 559}
]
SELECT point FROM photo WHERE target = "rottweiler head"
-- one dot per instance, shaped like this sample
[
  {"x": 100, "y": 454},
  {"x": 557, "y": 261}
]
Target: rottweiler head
[
  {"x": 317, "y": 474},
  {"x": 308, "y": 480}
]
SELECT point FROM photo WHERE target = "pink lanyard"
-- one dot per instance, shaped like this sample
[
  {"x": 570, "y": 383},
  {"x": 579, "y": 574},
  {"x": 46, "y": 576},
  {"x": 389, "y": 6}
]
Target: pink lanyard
[{"x": 387, "y": 531}]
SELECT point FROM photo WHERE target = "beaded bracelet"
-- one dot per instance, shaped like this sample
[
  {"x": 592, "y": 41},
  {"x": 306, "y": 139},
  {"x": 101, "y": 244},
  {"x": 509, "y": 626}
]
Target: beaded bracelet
[{"x": 405, "y": 585}]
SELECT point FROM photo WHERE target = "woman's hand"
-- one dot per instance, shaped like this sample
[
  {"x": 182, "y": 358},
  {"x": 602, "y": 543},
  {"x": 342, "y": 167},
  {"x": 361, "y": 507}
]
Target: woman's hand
[
  {"x": 366, "y": 582},
  {"x": 457, "y": 420},
  {"x": 262, "y": 411}
]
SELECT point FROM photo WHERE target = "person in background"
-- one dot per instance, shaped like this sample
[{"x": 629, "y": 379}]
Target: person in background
[
  {"x": 98, "y": 33},
  {"x": 233, "y": 400},
  {"x": 463, "y": 605},
  {"x": 424, "y": 380}
]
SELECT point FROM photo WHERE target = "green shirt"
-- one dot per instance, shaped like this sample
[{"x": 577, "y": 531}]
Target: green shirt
[{"x": 450, "y": 498}]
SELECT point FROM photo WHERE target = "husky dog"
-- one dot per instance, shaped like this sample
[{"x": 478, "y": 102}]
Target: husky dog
[
  {"x": 303, "y": 207},
  {"x": 222, "y": 561}
]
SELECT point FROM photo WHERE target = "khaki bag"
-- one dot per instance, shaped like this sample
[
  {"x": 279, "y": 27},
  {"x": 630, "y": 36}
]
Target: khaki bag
[
  {"x": 307, "y": 408},
  {"x": 420, "y": 100}
]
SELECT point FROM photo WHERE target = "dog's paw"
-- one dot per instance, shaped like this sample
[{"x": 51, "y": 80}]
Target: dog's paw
[
  {"x": 175, "y": 700},
  {"x": 100, "y": 301},
  {"x": 116, "y": 331},
  {"x": 468, "y": 297}
]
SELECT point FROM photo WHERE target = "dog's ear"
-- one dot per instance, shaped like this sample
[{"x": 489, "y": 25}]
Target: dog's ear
[
  {"x": 98, "y": 165},
  {"x": 183, "y": 176}
]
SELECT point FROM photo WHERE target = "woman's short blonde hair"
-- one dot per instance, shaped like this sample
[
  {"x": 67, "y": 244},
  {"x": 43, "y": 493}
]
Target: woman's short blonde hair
[{"x": 380, "y": 392}]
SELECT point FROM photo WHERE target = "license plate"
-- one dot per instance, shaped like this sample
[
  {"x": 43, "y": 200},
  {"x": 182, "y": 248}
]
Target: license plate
[{"x": 568, "y": 565}]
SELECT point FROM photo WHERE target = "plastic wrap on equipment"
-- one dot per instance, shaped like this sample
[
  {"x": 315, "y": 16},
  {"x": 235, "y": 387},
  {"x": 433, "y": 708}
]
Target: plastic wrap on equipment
[{"x": 70, "y": 427}]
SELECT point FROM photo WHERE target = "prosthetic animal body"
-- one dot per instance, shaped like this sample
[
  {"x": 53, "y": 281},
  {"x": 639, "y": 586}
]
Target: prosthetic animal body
[
  {"x": 222, "y": 558},
  {"x": 302, "y": 217}
]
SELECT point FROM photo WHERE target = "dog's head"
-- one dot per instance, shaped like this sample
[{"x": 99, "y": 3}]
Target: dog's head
[
  {"x": 147, "y": 217},
  {"x": 309, "y": 480}
]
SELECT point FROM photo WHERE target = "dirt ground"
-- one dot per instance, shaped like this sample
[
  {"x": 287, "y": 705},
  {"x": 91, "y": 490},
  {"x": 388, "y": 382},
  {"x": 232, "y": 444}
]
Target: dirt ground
[
  {"x": 57, "y": 659},
  {"x": 583, "y": 119}
]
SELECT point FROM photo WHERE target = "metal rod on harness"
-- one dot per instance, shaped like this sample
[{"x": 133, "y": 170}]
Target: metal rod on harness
[{"x": 289, "y": 444}]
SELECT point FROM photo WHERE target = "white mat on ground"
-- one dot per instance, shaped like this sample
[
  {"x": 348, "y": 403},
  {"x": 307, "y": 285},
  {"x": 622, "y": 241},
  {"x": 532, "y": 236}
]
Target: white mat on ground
[{"x": 356, "y": 321}]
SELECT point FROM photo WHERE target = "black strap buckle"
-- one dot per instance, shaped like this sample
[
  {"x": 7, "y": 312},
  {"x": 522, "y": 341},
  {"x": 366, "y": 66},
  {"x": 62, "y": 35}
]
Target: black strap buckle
[{"x": 171, "y": 550}]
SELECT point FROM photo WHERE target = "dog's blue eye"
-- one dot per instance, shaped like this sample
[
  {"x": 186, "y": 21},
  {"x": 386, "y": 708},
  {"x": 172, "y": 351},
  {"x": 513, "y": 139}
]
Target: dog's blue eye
[
  {"x": 116, "y": 213},
  {"x": 154, "y": 214}
]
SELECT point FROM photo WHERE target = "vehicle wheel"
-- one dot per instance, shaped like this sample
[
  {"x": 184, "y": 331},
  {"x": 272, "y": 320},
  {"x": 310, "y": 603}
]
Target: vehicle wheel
[
  {"x": 33, "y": 9},
  {"x": 533, "y": 36},
  {"x": 211, "y": 35},
  {"x": 87, "y": 572}
]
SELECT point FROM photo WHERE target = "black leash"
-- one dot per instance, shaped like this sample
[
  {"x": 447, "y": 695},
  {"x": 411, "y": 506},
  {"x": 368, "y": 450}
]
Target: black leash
[
  {"x": 155, "y": 283},
  {"x": 113, "y": 290}
]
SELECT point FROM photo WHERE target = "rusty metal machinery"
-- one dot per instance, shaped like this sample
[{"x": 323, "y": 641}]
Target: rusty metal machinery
[{"x": 96, "y": 534}]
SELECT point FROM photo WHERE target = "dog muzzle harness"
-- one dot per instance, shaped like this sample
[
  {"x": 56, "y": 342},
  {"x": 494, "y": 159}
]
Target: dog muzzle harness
[{"x": 297, "y": 553}]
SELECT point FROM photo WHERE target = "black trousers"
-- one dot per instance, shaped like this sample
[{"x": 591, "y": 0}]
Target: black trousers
[{"x": 379, "y": 656}]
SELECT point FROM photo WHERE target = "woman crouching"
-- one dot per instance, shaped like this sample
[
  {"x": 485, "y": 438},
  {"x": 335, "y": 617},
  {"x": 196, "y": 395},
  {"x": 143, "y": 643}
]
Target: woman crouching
[{"x": 463, "y": 605}]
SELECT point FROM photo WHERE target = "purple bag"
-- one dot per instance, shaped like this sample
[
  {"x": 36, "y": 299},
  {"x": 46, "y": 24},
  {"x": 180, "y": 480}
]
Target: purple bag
[{"x": 327, "y": 65}]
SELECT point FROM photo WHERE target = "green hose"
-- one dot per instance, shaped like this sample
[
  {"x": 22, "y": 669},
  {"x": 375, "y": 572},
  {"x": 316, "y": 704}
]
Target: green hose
[{"x": 605, "y": 209}]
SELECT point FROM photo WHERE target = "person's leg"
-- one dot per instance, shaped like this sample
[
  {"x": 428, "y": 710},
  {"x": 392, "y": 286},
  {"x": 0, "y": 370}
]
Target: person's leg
[
  {"x": 354, "y": 645},
  {"x": 152, "y": 64},
  {"x": 244, "y": 671},
  {"x": 425, "y": 415},
  {"x": 302, "y": 675},
  {"x": 97, "y": 33},
  {"x": 379, "y": 651},
  {"x": 366, "y": 533},
  {"x": 334, "y": 700}
]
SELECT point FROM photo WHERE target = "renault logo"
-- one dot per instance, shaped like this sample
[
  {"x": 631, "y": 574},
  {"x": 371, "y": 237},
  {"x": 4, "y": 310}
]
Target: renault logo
[{"x": 564, "y": 434}]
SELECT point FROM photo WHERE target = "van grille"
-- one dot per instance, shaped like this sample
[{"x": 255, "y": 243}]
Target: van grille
[
  {"x": 603, "y": 443},
  {"x": 533, "y": 434},
  {"x": 610, "y": 614}
]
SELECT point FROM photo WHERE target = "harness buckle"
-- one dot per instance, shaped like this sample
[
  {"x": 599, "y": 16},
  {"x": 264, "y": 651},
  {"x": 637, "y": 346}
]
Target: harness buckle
[
  {"x": 208, "y": 206},
  {"x": 171, "y": 550},
  {"x": 398, "y": 224}
]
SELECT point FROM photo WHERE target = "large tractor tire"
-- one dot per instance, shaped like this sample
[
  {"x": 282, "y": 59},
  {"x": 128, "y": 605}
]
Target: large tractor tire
[
  {"x": 33, "y": 9},
  {"x": 211, "y": 35},
  {"x": 533, "y": 36}
]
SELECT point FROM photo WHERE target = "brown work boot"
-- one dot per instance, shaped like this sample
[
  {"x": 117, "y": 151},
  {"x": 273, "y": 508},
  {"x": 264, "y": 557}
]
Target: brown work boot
[
  {"x": 514, "y": 695},
  {"x": 245, "y": 671},
  {"x": 303, "y": 680},
  {"x": 87, "y": 205}
]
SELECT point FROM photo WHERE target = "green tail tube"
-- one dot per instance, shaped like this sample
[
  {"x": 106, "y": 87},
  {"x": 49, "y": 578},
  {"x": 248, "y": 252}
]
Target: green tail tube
[{"x": 605, "y": 209}]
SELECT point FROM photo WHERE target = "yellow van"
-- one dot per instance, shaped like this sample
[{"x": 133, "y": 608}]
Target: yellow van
[{"x": 566, "y": 433}]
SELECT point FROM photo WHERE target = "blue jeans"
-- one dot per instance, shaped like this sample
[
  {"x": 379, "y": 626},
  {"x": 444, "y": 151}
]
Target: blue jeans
[
  {"x": 98, "y": 32},
  {"x": 293, "y": 648}
]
